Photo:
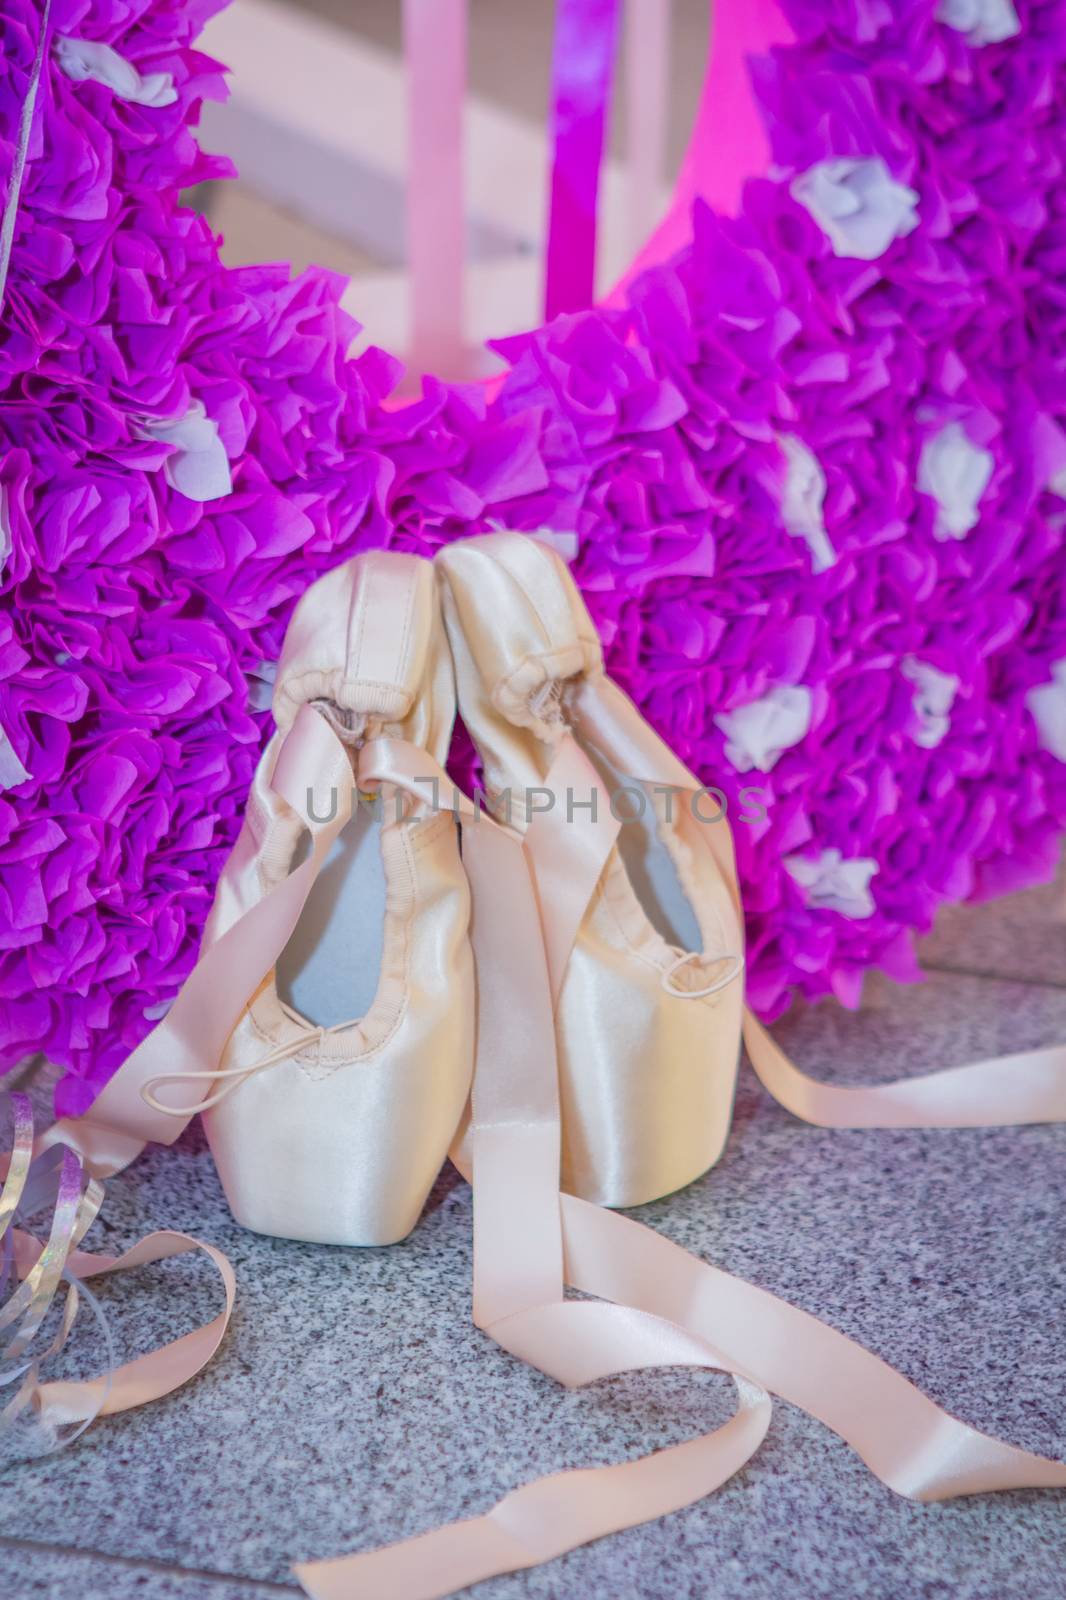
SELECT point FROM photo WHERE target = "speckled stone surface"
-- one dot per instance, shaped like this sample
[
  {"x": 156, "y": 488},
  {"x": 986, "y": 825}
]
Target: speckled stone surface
[
  {"x": 32, "y": 1572},
  {"x": 353, "y": 1402},
  {"x": 1020, "y": 936}
]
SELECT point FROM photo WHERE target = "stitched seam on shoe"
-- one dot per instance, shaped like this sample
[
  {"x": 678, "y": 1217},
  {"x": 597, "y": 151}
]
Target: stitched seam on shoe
[
  {"x": 615, "y": 884},
  {"x": 352, "y": 663},
  {"x": 407, "y": 897},
  {"x": 405, "y": 641},
  {"x": 403, "y": 910},
  {"x": 683, "y": 856}
]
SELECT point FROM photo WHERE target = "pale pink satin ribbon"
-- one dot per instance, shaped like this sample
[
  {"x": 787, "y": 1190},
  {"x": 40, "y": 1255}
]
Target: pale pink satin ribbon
[
  {"x": 192, "y": 1037},
  {"x": 150, "y": 1376},
  {"x": 518, "y": 1233},
  {"x": 195, "y": 1031},
  {"x": 43, "y": 1267},
  {"x": 1004, "y": 1091},
  {"x": 659, "y": 1305},
  {"x": 663, "y": 1307}
]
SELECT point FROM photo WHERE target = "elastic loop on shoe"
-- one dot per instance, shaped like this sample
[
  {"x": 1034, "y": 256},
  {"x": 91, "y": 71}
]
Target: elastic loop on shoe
[
  {"x": 731, "y": 975},
  {"x": 235, "y": 1076}
]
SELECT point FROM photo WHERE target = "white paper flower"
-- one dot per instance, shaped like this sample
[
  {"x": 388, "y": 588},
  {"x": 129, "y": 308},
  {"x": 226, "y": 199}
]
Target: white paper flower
[
  {"x": 956, "y": 472},
  {"x": 802, "y": 498},
  {"x": 982, "y": 21},
  {"x": 857, "y": 204},
  {"x": 199, "y": 466},
  {"x": 1047, "y": 706},
  {"x": 11, "y": 769},
  {"x": 934, "y": 696},
  {"x": 564, "y": 544},
  {"x": 758, "y": 734},
  {"x": 88, "y": 59},
  {"x": 260, "y": 680},
  {"x": 833, "y": 884}
]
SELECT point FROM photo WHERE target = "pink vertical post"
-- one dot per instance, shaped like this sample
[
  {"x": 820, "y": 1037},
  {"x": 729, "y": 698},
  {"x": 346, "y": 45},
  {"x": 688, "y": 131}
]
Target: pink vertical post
[
  {"x": 435, "y": 50},
  {"x": 582, "y": 66},
  {"x": 647, "y": 56}
]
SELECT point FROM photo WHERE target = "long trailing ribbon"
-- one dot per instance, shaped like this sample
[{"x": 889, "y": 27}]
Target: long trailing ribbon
[
  {"x": 1000, "y": 1092},
  {"x": 86, "y": 1149},
  {"x": 657, "y": 1305},
  {"x": 519, "y": 1239},
  {"x": 42, "y": 1269}
]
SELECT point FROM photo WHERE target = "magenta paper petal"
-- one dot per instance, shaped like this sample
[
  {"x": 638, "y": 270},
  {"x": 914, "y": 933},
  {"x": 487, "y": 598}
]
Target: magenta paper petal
[{"x": 136, "y": 621}]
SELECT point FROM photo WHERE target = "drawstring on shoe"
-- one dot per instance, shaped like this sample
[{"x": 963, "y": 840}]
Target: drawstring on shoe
[
  {"x": 236, "y": 1075},
  {"x": 732, "y": 972}
]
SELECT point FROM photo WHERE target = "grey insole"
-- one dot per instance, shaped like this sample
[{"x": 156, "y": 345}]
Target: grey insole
[
  {"x": 648, "y": 862},
  {"x": 329, "y": 970}
]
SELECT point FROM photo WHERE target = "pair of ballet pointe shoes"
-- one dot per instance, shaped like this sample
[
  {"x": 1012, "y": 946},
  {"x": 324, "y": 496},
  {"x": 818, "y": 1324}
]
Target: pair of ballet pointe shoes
[
  {"x": 547, "y": 989},
  {"x": 346, "y": 1080}
]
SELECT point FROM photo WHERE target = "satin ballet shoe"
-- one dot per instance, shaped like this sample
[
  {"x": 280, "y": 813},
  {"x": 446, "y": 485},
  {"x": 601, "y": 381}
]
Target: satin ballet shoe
[
  {"x": 594, "y": 1000},
  {"x": 649, "y": 1013},
  {"x": 343, "y": 1081}
]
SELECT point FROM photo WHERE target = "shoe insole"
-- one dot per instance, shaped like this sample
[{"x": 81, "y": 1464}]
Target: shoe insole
[
  {"x": 330, "y": 968},
  {"x": 648, "y": 862}
]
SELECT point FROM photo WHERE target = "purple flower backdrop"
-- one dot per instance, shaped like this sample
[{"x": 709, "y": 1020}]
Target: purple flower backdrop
[{"x": 888, "y": 680}]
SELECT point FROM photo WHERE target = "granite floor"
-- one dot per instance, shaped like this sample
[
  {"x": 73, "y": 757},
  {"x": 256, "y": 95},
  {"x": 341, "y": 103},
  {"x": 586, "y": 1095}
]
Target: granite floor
[{"x": 353, "y": 1402}]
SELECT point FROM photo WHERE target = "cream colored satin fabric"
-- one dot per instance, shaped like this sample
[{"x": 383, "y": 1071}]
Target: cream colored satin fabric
[
  {"x": 366, "y": 642},
  {"x": 340, "y": 1142},
  {"x": 370, "y": 635},
  {"x": 1008, "y": 1090},
  {"x": 658, "y": 1305},
  {"x": 647, "y": 1077},
  {"x": 194, "y": 1033},
  {"x": 519, "y": 1239}
]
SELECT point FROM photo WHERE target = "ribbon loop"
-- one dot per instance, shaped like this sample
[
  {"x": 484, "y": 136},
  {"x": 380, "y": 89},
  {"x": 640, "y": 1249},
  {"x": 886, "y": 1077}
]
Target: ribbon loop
[
  {"x": 655, "y": 1304},
  {"x": 42, "y": 1269},
  {"x": 192, "y": 1037}
]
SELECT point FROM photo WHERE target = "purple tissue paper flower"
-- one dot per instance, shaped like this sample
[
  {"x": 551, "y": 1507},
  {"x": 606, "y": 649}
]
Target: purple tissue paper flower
[{"x": 810, "y": 478}]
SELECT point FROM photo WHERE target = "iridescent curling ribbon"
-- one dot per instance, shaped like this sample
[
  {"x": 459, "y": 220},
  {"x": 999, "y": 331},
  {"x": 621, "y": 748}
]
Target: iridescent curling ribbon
[
  {"x": 35, "y": 1272},
  {"x": 47, "y": 1205},
  {"x": 655, "y": 1304}
]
